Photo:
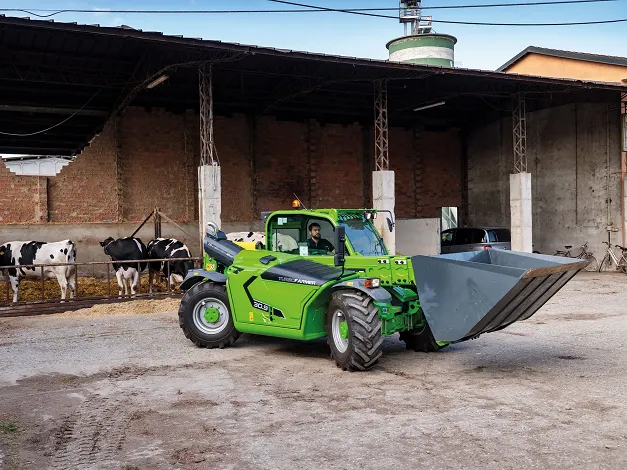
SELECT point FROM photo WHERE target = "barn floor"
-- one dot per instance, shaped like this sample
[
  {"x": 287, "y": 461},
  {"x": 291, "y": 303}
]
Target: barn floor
[{"x": 128, "y": 391}]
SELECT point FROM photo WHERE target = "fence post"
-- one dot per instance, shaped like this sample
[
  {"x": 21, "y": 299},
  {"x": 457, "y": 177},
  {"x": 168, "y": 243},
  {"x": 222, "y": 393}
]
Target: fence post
[
  {"x": 108, "y": 281},
  {"x": 43, "y": 293},
  {"x": 168, "y": 278},
  {"x": 157, "y": 223}
]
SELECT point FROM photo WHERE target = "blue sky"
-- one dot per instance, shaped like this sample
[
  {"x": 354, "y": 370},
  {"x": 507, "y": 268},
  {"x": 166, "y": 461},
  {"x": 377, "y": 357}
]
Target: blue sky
[{"x": 483, "y": 47}]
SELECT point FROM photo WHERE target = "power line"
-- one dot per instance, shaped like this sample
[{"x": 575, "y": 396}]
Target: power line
[
  {"x": 56, "y": 125},
  {"x": 529, "y": 4},
  {"x": 475, "y": 23},
  {"x": 308, "y": 8},
  {"x": 311, "y": 9},
  {"x": 354, "y": 11}
]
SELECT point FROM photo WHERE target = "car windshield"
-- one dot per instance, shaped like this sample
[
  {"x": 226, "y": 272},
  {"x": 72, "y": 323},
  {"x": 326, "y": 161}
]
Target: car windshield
[
  {"x": 503, "y": 235},
  {"x": 363, "y": 237}
]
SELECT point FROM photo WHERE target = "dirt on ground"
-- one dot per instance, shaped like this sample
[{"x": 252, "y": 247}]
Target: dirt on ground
[{"x": 112, "y": 390}]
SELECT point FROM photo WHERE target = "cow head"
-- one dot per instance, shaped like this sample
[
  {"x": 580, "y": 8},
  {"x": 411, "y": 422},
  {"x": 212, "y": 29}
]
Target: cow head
[{"x": 105, "y": 243}]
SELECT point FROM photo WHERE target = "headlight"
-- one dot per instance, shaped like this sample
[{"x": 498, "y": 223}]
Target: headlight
[{"x": 372, "y": 283}]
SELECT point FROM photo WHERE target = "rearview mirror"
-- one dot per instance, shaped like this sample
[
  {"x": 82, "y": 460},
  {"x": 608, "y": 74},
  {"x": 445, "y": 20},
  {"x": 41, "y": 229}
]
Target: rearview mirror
[
  {"x": 390, "y": 225},
  {"x": 339, "y": 239}
]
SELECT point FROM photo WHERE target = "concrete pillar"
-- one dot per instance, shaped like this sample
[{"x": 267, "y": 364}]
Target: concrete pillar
[
  {"x": 41, "y": 203},
  {"x": 209, "y": 196},
  {"x": 623, "y": 166},
  {"x": 383, "y": 199},
  {"x": 520, "y": 207}
]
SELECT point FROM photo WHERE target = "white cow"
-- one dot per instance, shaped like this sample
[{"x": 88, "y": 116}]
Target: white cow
[{"x": 20, "y": 253}]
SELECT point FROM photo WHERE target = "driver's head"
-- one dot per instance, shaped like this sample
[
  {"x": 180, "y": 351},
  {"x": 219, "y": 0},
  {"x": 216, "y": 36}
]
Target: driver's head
[{"x": 314, "y": 231}]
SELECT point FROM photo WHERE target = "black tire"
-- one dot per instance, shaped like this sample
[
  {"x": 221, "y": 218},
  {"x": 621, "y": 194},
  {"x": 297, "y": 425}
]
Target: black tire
[
  {"x": 363, "y": 343},
  {"x": 420, "y": 340},
  {"x": 594, "y": 265},
  {"x": 605, "y": 264},
  {"x": 199, "y": 332}
]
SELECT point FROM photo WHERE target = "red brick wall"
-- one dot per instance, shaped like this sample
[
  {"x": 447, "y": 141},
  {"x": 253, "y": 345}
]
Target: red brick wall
[
  {"x": 441, "y": 172},
  {"x": 234, "y": 146},
  {"x": 402, "y": 162},
  {"x": 86, "y": 190},
  {"x": 152, "y": 160},
  {"x": 339, "y": 167},
  {"x": 155, "y": 169},
  {"x": 19, "y": 198},
  {"x": 280, "y": 162}
]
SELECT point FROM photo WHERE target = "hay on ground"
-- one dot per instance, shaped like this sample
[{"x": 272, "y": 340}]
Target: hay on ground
[
  {"x": 133, "y": 307},
  {"x": 30, "y": 290}
]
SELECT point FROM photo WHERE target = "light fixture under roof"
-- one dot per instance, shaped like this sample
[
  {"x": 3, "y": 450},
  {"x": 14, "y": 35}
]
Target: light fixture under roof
[{"x": 157, "y": 81}]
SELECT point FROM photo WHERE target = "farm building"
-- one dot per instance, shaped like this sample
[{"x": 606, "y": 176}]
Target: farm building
[{"x": 146, "y": 110}]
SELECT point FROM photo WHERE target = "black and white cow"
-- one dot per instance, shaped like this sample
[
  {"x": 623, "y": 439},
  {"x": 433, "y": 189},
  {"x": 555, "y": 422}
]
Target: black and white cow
[
  {"x": 33, "y": 252},
  {"x": 126, "y": 249},
  {"x": 258, "y": 238},
  {"x": 169, "y": 248}
]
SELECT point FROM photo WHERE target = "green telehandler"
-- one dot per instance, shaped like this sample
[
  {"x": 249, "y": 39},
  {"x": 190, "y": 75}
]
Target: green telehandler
[{"x": 358, "y": 294}]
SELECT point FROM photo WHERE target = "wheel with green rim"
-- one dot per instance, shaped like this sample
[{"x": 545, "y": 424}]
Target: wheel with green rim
[
  {"x": 205, "y": 316},
  {"x": 354, "y": 330}
]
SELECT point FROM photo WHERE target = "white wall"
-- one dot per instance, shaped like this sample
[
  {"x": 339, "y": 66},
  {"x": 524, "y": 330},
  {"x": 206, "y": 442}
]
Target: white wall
[
  {"x": 573, "y": 154},
  {"x": 417, "y": 237},
  {"x": 40, "y": 167}
]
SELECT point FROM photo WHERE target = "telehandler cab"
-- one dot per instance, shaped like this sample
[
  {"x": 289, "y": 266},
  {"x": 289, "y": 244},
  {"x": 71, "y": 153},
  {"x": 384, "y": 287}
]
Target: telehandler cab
[{"x": 358, "y": 294}]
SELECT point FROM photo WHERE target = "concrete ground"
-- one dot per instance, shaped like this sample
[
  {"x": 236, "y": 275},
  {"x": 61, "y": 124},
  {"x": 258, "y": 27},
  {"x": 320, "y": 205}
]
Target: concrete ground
[{"x": 130, "y": 392}]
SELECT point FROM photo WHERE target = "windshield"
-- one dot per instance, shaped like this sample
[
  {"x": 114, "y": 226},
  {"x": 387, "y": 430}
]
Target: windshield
[{"x": 363, "y": 237}]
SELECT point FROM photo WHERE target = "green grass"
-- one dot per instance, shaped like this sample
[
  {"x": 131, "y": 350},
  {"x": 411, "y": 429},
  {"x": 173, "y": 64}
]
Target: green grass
[{"x": 7, "y": 427}]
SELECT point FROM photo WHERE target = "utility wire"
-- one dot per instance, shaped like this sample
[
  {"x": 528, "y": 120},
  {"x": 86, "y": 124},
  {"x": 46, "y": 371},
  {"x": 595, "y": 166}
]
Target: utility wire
[
  {"x": 312, "y": 9},
  {"x": 356, "y": 11},
  {"x": 56, "y": 125},
  {"x": 476, "y": 23},
  {"x": 528, "y": 4}
]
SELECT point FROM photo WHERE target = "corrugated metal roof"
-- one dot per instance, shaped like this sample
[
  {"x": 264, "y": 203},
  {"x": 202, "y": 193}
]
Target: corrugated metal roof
[
  {"x": 128, "y": 31},
  {"x": 49, "y": 69}
]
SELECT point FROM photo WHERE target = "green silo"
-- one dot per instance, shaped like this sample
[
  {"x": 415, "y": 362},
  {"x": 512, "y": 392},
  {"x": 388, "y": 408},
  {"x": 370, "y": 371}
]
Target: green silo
[{"x": 426, "y": 49}]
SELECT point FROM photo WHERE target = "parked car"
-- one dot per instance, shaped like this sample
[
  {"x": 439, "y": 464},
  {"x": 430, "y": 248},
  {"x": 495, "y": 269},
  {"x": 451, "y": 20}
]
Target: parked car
[{"x": 455, "y": 240}]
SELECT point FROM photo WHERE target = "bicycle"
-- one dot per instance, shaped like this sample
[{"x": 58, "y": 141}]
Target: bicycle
[
  {"x": 593, "y": 265},
  {"x": 610, "y": 257}
]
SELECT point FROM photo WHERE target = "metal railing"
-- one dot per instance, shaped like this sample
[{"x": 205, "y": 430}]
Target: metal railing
[{"x": 45, "y": 305}]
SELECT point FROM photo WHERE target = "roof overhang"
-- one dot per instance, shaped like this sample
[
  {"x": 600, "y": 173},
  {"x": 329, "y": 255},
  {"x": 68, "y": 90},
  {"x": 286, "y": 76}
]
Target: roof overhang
[
  {"x": 67, "y": 80},
  {"x": 595, "y": 58}
]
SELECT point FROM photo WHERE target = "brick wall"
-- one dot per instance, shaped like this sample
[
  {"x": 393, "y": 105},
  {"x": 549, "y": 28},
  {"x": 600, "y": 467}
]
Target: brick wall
[
  {"x": 155, "y": 168},
  {"x": 86, "y": 190},
  {"x": 402, "y": 163},
  {"x": 441, "y": 172},
  {"x": 280, "y": 162},
  {"x": 150, "y": 158},
  {"x": 234, "y": 141},
  {"x": 19, "y": 198},
  {"x": 339, "y": 167}
]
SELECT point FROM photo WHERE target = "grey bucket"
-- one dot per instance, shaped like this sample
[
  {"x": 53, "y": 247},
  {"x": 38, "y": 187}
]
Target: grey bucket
[{"x": 467, "y": 294}]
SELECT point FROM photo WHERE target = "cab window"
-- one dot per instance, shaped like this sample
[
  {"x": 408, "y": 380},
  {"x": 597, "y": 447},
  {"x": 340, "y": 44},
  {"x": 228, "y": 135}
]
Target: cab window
[{"x": 290, "y": 234}]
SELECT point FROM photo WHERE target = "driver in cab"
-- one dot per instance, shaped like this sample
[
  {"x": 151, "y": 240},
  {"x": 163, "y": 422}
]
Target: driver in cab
[{"x": 316, "y": 242}]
